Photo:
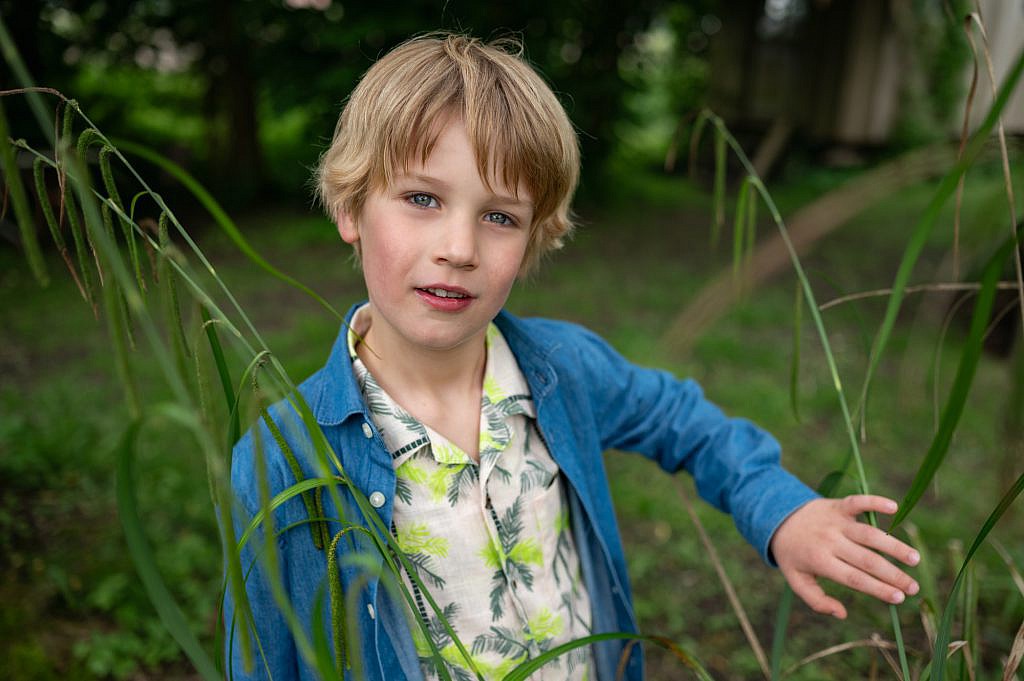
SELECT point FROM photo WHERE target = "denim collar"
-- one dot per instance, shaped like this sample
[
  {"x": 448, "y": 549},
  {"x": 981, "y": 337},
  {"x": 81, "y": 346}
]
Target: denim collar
[{"x": 339, "y": 397}]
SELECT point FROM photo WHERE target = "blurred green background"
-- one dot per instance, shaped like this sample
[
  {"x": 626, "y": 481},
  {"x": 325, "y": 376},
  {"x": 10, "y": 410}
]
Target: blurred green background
[{"x": 244, "y": 94}]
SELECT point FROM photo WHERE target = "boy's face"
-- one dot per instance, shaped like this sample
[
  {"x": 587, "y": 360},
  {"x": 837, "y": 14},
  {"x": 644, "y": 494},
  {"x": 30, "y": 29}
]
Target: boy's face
[{"x": 439, "y": 250}]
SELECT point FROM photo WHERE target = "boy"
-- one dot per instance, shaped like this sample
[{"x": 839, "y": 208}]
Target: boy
[{"x": 476, "y": 436}]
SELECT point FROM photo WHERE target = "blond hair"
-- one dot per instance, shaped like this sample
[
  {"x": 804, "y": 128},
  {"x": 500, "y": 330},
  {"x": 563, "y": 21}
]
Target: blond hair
[{"x": 517, "y": 127}]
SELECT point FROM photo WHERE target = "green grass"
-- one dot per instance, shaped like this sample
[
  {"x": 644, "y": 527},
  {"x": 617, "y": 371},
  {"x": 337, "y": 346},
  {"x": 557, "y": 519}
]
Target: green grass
[{"x": 72, "y": 606}]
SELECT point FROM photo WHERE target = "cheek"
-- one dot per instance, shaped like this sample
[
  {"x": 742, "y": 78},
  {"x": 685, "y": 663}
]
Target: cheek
[{"x": 379, "y": 263}]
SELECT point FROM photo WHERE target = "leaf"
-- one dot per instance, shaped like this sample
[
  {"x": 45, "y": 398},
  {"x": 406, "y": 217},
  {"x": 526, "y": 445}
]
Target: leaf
[
  {"x": 145, "y": 562},
  {"x": 794, "y": 370}
]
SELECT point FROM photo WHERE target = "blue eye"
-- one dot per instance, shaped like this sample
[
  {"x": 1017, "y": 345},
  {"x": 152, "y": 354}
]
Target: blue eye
[
  {"x": 422, "y": 200},
  {"x": 499, "y": 218}
]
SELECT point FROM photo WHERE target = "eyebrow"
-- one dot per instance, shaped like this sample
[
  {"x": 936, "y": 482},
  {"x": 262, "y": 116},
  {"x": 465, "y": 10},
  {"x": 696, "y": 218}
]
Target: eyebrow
[{"x": 441, "y": 184}]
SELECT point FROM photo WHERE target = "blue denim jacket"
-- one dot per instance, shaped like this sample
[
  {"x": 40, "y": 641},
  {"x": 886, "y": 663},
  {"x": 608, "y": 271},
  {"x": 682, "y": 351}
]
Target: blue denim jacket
[{"x": 588, "y": 399}]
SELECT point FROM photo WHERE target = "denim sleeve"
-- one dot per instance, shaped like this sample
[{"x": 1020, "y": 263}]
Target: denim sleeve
[
  {"x": 272, "y": 646},
  {"x": 735, "y": 464}
]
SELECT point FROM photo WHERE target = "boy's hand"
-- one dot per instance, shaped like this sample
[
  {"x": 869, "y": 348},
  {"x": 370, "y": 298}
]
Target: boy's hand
[{"x": 824, "y": 539}]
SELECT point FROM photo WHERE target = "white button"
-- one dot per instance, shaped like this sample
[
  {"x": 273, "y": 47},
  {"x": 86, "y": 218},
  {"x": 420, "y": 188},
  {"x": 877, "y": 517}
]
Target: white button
[
  {"x": 367, "y": 431},
  {"x": 369, "y": 609},
  {"x": 377, "y": 499}
]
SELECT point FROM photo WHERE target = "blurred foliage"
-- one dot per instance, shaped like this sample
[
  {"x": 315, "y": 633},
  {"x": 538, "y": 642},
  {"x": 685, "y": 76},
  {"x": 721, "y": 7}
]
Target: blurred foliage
[
  {"x": 256, "y": 85},
  {"x": 259, "y": 85},
  {"x": 931, "y": 98}
]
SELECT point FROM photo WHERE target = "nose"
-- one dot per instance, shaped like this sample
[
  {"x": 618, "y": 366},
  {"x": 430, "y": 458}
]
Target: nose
[{"x": 457, "y": 244}]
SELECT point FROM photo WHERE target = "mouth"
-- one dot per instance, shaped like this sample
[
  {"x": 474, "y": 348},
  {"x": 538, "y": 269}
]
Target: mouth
[
  {"x": 445, "y": 298},
  {"x": 445, "y": 292}
]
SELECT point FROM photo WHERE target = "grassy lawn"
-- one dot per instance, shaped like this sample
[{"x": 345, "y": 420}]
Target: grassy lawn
[{"x": 72, "y": 606}]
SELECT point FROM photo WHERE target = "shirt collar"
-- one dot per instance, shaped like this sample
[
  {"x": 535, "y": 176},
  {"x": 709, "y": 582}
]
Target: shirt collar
[{"x": 505, "y": 394}]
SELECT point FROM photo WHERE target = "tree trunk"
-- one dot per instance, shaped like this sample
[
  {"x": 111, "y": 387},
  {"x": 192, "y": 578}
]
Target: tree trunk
[{"x": 231, "y": 102}]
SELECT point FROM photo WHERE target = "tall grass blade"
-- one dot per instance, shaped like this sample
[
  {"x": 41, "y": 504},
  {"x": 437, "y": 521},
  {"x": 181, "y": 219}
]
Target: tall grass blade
[
  {"x": 925, "y": 570},
  {"x": 901, "y": 649},
  {"x": 145, "y": 562},
  {"x": 751, "y": 227},
  {"x": 878, "y": 644},
  {"x": 118, "y": 287},
  {"x": 51, "y": 221},
  {"x": 35, "y": 101},
  {"x": 719, "y": 188},
  {"x": 270, "y": 559},
  {"x": 961, "y": 385},
  {"x": 222, "y": 219},
  {"x": 19, "y": 199},
  {"x": 926, "y": 224},
  {"x": 320, "y": 644},
  {"x": 316, "y": 527},
  {"x": 730, "y": 591},
  {"x": 779, "y": 631},
  {"x": 171, "y": 305},
  {"x": 946, "y": 623},
  {"x": 115, "y": 306},
  {"x": 1018, "y": 580},
  {"x": 794, "y": 367},
  {"x": 970, "y": 611},
  {"x": 114, "y": 196},
  {"x": 695, "y": 137},
  {"x": 826, "y": 345},
  {"x": 338, "y": 616},
  {"x": 739, "y": 229},
  {"x": 234, "y": 428},
  {"x": 523, "y": 671},
  {"x": 1004, "y": 155},
  {"x": 1016, "y": 655},
  {"x": 220, "y": 493}
]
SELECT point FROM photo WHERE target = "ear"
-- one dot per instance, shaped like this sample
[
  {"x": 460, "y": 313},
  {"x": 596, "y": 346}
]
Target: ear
[{"x": 347, "y": 227}]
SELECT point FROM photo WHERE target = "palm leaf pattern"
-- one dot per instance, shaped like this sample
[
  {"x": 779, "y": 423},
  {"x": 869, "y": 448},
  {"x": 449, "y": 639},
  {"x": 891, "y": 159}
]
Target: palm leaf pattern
[{"x": 436, "y": 483}]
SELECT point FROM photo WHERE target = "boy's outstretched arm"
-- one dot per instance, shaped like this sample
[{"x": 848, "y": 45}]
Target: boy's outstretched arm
[{"x": 823, "y": 538}]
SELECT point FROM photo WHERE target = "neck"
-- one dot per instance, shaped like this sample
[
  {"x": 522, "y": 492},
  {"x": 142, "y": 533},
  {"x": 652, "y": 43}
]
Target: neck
[{"x": 414, "y": 375}]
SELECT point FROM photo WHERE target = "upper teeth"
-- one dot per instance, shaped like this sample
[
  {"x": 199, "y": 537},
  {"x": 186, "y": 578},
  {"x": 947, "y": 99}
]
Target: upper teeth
[{"x": 445, "y": 293}]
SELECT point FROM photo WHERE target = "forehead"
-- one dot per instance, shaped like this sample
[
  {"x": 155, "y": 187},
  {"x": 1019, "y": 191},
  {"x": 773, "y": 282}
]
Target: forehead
[
  {"x": 501, "y": 161},
  {"x": 447, "y": 149}
]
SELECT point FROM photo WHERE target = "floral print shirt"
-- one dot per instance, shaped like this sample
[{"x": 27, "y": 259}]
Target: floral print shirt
[{"x": 490, "y": 540}]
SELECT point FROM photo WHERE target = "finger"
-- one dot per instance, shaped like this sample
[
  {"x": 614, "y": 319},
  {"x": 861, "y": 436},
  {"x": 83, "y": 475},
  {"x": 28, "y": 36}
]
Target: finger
[
  {"x": 862, "y": 503},
  {"x": 865, "y": 560},
  {"x": 859, "y": 580},
  {"x": 811, "y": 593},
  {"x": 876, "y": 539}
]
